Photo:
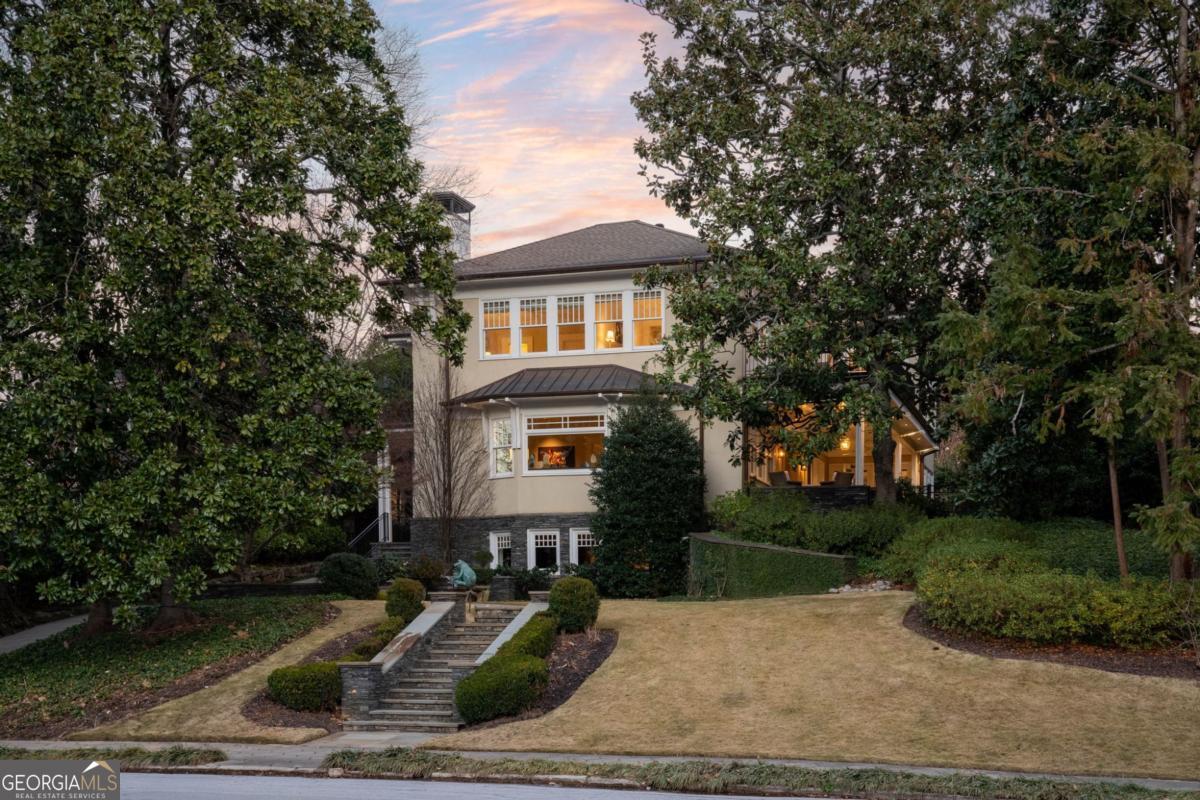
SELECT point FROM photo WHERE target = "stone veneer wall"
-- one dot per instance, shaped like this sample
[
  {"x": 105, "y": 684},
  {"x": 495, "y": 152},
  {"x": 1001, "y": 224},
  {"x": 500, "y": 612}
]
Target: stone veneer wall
[{"x": 471, "y": 535}]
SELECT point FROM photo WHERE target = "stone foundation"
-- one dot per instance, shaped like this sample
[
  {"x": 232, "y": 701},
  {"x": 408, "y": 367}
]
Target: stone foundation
[{"x": 471, "y": 535}]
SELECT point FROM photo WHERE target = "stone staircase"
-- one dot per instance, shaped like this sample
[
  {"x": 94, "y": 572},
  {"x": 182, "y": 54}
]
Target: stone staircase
[
  {"x": 400, "y": 550},
  {"x": 421, "y": 699}
]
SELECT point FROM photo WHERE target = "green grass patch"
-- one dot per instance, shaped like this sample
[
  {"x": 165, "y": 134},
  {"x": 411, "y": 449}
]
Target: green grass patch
[
  {"x": 717, "y": 778},
  {"x": 63, "y": 676},
  {"x": 174, "y": 756}
]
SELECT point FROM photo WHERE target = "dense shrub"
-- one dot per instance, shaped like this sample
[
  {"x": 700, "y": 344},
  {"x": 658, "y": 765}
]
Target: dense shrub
[
  {"x": 389, "y": 568},
  {"x": 1084, "y": 545},
  {"x": 966, "y": 553},
  {"x": 349, "y": 574},
  {"x": 784, "y": 518},
  {"x": 527, "y": 580},
  {"x": 576, "y": 604},
  {"x": 483, "y": 576},
  {"x": 503, "y": 686},
  {"x": 734, "y": 569},
  {"x": 384, "y": 632},
  {"x": 905, "y": 556},
  {"x": 404, "y": 598},
  {"x": 430, "y": 572},
  {"x": 649, "y": 494},
  {"x": 1050, "y": 607},
  {"x": 306, "y": 687},
  {"x": 313, "y": 544},
  {"x": 536, "y": 637}
]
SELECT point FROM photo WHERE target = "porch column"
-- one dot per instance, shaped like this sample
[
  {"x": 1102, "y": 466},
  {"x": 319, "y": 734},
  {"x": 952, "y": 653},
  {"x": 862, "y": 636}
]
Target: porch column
[
  {"x": 860, "y": 439},
  {"x": 384, "y": 501},
  {"x": 918, "y": 470},
  {"x": 897, "y": 459}
]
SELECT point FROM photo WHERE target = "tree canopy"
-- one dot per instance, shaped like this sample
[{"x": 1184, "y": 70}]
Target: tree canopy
[{"x": 190, "y": 195}]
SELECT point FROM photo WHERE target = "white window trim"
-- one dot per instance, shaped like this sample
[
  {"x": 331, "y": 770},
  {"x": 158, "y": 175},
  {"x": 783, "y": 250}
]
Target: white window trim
[
  {"x": 556, "y": 412},
  {"x": 489, "y": 422},
  {"x": 589, "y": 315},
  {"x": 494, "y": 545},
  {"x": 531, "y": 553},
  {"x": 662, "y": 317},
  {"x": 575, "y": 543}
]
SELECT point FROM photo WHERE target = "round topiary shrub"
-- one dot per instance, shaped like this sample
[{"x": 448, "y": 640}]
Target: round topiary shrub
[
  {"x": 404, "y": 598},
  {"x": 430, "y": 572},
  {"x": 307, "y": 687},
  {"x": 349, "y": 574},
  {"x": 576, "y": 604},
  {"x": 503, "y": 686}
]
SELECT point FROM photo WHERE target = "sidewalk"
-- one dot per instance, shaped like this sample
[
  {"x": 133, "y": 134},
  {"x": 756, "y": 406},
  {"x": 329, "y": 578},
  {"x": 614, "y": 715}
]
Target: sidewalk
[
  {"x": 308, "y": 757},
  {"x": 35, "y": 634}
]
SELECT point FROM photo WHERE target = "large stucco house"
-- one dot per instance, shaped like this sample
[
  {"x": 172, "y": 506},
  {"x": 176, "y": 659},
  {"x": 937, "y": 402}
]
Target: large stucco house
[{"x": 560, "y": 336}]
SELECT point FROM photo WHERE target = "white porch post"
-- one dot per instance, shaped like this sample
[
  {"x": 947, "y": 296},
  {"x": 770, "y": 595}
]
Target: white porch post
[
  {"x": 897, "y": 459},
  {"x": 860, "y": 439},
  {"x": 384, "y": 501},
  {"x": 918, "y": 470}
]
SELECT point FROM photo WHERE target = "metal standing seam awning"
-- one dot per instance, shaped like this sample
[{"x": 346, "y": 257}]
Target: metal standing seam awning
[{"x": 601, "y": 379}]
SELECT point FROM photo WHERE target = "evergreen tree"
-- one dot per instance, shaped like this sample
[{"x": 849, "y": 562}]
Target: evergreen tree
[
  {"x": 649, "y": 494},
  {"x": 190, "y": 195}
]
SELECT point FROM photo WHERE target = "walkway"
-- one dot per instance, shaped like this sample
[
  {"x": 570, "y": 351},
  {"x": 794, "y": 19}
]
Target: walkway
[{"x": 35, "y": 634}]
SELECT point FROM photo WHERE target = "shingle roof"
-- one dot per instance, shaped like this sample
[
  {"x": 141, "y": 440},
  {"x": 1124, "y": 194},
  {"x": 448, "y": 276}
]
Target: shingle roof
[
  {"x": 611, "y": 245},
  {"x": 560, "y": 382}
]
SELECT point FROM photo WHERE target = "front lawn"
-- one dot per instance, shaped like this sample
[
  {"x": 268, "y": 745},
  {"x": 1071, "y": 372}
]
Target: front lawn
[
  {"x": 63, "y": 683},
  {"x": 840, "y": 678}
]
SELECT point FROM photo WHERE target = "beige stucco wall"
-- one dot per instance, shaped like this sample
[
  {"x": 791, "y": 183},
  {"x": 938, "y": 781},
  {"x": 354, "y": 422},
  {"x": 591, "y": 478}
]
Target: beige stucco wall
[{"x": 551, "y": 493}]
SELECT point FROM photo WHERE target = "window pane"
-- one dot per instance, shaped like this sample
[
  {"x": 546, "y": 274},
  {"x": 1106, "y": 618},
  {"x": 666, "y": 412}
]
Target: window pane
[
  {"x": 610, "y": 310},
  {"x": 497, "y": 342},
  {"x": 564, "y": 450},
  {"x": 533, "y": 326},
  {"x": 647, "y": 318},
  {"x": 546, "y": 557},
  {"x": 647, "y": 332},
  {"x": 572, "y": 337},
  {"x": 505, "y": 557},
  {"x": 502, "y": 462},
  {"x": 533, "y": 340},
  {"x": 609, "y": 335}
]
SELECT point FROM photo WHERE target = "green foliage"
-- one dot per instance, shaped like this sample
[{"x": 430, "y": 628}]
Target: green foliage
[
  {"x": 430, "y": 572},
  {"x": 404, "y": 598},
  {"x": 784, "y": 518},
  {"x": 733, "y": 569},
  {"x": 349, "y": 574},
  {"x": 536, "y": 637},
  {"x": 905, "y": 557},
  {"x": 1051, "y": 607},
  {"x": 383, "y": 634},
  {"x": 1083, "y": 545},
  {"x": 311, "y": 545},
  {"x": 190, "y": 196},
  {"x": 527, "y": 580},
  {"x": 649, "y": 494},
  {"x": 981, "y": 553},
  {"x": 389, "y": 568},
  {"x": 62, "y": 678},
  {"x": 502, "y": 687},
  {"x": 306, "y": 687},
  {"x": 575, "y": 602}
]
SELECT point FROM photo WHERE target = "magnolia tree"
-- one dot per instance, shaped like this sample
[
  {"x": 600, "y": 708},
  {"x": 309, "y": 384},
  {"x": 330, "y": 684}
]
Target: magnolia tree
[{"x": 184, "y": 189}]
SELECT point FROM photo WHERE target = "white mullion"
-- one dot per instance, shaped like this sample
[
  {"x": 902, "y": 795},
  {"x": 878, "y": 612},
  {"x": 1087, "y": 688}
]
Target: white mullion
[
  {"x": 552, "y": 325},
  {"x": 514, "y": 327},
  {"x": 627, "y": 319},
  {"x": 589, "y": 322}
]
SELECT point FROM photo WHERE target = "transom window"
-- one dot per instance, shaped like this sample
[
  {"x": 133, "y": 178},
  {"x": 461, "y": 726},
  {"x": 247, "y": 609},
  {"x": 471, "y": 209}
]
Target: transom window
[
  {"x": 572, "y": 324},
  {"x": 647, "y": 318},
  {"x": 564, "y": 442},
  {"x": 502, "y": 447},
  {"x": 534, "y": 338},
  {"x": 497, "y": 328},
  {"x": 610, "y": 321}
]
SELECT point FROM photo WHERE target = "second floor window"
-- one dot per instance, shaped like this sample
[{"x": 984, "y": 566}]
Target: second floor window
[
  {"x": 533, "y": 326},
  {"x": 497, "y": 331},
  {"x": 572, "y": 329},
  {"x": 502, "y": 447},
  {"x": 610, "y": 321},
  {"x": 647, "y": 318}
]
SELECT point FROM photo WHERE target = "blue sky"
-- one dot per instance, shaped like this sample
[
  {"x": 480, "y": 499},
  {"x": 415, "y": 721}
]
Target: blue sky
[{"x": 533, "y": 97}]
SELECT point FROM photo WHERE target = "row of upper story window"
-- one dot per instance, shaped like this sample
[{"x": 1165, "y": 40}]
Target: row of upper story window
[{"x": 596, "y": 322}]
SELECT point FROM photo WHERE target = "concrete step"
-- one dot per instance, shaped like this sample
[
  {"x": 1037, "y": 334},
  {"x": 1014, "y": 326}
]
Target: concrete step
[
  {"x": 400, "y": 725},
  {"x": 415, "y": 715},
  {"x": 419, "y": 704},
  {"x": 416, "y": 684},
  {"x": 433, "y": 692}
]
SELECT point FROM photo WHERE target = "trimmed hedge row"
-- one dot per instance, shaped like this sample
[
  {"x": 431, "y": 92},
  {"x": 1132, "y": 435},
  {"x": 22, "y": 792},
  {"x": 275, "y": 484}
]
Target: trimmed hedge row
[
  {"x": 513, "y": 679},
  {"x": 307, "y": 687},
  {"x": 349, "y": 574},
  {"x": 404, "y": 599},
  {"x": 733, "y": 569}
]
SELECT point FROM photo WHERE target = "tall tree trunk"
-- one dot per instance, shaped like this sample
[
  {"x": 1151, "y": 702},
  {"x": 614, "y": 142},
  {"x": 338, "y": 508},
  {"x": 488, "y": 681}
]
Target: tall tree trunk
[
  {"x": 99, "y": 619},
  {"x": 1118, "y": 525},
  {"x": 1181, "y": 562},
  {"x": 883, "y": 451},
  {"x": 170, "y": 615}
]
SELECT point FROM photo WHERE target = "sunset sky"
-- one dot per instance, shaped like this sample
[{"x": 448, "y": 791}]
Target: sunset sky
[{"x": 533, "y": 97}]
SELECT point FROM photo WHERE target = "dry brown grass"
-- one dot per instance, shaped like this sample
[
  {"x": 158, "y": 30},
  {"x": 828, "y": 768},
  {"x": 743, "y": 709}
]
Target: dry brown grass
[{"x": 840, "y": 678}]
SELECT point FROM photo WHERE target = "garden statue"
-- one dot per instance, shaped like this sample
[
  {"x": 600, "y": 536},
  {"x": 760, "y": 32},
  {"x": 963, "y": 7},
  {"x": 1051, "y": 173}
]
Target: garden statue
[{"x": 464, "y": 576}]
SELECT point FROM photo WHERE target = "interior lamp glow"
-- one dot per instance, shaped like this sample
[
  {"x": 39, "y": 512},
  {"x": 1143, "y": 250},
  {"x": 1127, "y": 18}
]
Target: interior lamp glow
[{"x": 844, "y": 444}]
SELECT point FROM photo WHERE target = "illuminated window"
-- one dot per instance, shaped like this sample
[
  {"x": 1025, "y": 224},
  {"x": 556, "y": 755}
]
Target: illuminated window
[
  {"x": 543, "y": 550},
  {"x": 647, "y": 318},
  {"x": 583, "y": 546},
  {"x": 568, "y": 442},
  {"x": 502, "y": 452},
  {"x": 572, "y": 334},
  {"x": 497, "y": 333},
  {"x": 610, "y": 321},
  {"x": 533, "y": 326}
]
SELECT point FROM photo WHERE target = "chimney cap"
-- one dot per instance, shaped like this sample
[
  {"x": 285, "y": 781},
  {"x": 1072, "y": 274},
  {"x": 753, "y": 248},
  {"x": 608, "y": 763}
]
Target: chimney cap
[{"x": 453, "y": 202}]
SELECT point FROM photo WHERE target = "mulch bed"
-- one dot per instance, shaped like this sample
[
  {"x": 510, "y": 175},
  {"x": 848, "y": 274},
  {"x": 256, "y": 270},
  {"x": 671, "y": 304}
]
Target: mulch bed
[
  {"x": 574, "y": 658},
  {"x": 1177, "y": 662},
  {"x": 265, "y": 711},
  {"x": 132, "y": 703}
]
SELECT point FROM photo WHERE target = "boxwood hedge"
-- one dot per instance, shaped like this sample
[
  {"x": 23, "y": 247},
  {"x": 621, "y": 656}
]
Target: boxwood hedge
[
  {"x": 726, "y": 568},
  {"x": 306, "y": 687}
]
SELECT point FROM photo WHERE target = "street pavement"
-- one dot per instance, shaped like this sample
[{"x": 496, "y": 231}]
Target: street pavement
[{"x": 150, "y": 786}]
